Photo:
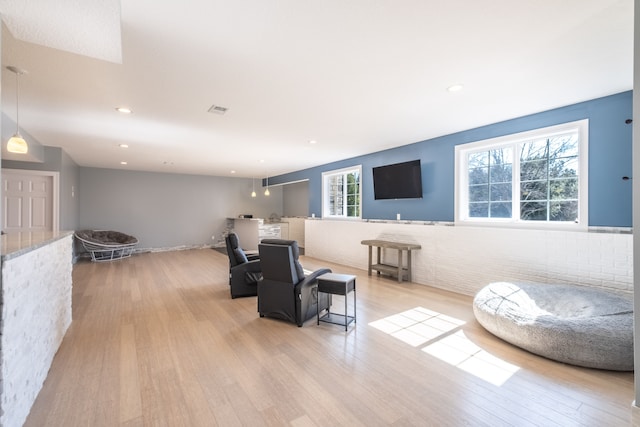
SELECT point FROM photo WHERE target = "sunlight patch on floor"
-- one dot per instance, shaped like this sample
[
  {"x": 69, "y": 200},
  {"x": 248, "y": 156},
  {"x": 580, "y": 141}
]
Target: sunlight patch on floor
[
  {"x": 442, "y": 338},
  {"x": 417, "y": 326},
  {"x": 458, "y": 350}
]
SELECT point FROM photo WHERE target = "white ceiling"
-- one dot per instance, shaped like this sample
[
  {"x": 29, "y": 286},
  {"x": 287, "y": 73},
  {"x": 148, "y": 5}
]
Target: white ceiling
[{"x": 356, "y": 76}]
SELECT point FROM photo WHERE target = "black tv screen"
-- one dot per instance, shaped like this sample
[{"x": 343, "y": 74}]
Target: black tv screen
[{"x": 398, "y": 181}]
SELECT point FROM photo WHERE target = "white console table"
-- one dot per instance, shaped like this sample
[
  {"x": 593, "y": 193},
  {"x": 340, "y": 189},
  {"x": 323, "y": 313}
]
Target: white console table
[{"x": 398, "y": 270}]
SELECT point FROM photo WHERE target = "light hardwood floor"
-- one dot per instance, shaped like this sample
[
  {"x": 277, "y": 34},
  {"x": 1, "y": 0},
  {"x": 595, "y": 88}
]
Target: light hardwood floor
[{"x": 156, "y": 340}]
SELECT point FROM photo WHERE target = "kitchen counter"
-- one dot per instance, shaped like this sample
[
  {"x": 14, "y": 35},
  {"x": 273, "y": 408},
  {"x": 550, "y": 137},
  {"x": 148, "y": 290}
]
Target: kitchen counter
[
  {"x": 19, "y": 243},
  {"x": 36, "y": 313}
]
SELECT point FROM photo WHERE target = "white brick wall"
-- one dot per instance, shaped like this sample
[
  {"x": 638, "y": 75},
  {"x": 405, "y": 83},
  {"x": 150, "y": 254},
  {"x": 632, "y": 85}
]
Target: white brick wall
[
  {"x": 464, "y": 259},
  {"x": 36, "y": 312}
]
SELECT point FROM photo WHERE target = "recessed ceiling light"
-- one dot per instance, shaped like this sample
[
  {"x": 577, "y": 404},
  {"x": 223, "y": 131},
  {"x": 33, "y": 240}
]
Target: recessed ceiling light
[
  {"x": 124, "y": 110},
  {"x": 233, "y": 171},
  {"x": 313, "y": 141},
  {"x": 123, "y": 163},
  {"x": 123, "y": 145},
  {"x": 455, "y": 88}
]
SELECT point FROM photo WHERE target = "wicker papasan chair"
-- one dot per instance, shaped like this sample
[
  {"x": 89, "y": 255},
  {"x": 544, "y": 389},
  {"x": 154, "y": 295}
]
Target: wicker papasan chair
[{"x": 106, "y": 245}]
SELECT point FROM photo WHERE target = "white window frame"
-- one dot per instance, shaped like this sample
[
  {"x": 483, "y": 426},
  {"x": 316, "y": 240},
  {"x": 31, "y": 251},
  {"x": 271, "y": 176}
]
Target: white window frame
[
  {"x": 462, "y": 177},
  {"x": 325, "y": 192}
]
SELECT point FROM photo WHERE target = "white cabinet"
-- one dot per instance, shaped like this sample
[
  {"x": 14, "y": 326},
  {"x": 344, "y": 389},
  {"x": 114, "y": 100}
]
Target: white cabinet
[
  {"x": 295, "y": 230},
  {"x": 247, "y": 231},
  {"x": 251, "y": 231},
  {"x": 284, "y": 230}
]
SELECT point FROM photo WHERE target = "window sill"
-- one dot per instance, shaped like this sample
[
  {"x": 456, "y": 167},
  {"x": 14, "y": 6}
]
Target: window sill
[{"x": 521, "y": 225}]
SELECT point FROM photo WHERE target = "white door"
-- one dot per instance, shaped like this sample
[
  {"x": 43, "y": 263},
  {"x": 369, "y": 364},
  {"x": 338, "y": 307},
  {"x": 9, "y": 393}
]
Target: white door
[{"x": 28, "y": 201}]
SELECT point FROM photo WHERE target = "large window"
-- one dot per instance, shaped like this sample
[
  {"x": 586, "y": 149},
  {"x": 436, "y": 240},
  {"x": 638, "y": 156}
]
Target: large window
[
  {"x": 528, "y": 178},
  {"x": 341, "y": 193}
]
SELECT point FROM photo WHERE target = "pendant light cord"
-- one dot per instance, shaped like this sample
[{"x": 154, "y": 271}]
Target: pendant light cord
[{"x": 17, "y": 105}]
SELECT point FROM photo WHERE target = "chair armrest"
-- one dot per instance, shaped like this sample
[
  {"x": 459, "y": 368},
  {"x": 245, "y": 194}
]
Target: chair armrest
[
  {"x": 312, "y": 278},
  {"x": 245, "y": 269},
  {"x": 252, "y": 266},
  {"x": 252, "y": 256},
  {"x": 248, "y": 272},
  {"x": 306, "y": 293}
]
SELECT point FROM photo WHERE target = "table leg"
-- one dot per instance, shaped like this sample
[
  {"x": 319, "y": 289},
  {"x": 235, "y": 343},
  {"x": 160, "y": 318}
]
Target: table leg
[
  {"x": 379, "y": 260},
  {"x": 409, "y": 265},
  {"x": 370, "y": 254},
  {"x": 400, "y": 251},
  {"x": 354, "y": 300},
  {"x": 346, "y": 322}
]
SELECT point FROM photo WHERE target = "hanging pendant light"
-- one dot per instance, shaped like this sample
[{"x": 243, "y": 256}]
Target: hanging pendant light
[
  {"x": 266, "y": 192},
  {"x": 253, "y": 181},
  {"x": 16, "y": 143}
]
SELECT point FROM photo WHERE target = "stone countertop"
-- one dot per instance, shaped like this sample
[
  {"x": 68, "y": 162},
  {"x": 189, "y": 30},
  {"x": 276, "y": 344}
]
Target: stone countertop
[{"x": 19, "y": 243}]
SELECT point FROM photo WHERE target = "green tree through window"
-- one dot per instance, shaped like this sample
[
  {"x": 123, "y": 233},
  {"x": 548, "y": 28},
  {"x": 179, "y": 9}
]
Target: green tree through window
[
  {"x": 538, "y": 176},
  {"x": 490, "y": 176},
  {"x": 342, "y": 193},
  {"x": 549, "y": 179}
]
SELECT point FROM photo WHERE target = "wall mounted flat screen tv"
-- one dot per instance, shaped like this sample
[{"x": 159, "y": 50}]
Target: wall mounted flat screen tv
[{"x": 398, "y": 181}]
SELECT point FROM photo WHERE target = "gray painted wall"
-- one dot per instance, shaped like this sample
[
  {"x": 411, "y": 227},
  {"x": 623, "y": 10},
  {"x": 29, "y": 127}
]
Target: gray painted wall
[
  {"x": 69, "y": 202},
  {"x": 296, "y": 199},
  {"x": 168, "y": 210}
]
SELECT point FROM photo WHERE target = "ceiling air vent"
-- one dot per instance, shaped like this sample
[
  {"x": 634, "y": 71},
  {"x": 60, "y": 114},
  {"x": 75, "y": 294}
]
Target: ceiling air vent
[{"x": 216, "y": 109}]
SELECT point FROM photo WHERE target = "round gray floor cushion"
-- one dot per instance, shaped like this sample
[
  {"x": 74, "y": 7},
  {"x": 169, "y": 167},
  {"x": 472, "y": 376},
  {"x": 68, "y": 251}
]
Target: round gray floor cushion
[{"x": 571, "y": 324}]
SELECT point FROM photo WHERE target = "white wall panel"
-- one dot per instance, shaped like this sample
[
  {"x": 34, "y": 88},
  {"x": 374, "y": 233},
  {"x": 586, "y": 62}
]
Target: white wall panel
[{"x": 464, "y": 259}]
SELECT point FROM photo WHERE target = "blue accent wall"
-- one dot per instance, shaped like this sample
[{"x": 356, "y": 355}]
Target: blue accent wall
[{"x": 609, "y": 162}]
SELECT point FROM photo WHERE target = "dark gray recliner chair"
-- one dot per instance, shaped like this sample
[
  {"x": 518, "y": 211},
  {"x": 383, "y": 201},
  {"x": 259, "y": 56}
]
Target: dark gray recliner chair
[
  {"x": 244, "y": 270},
  {"x": 284, "y": 291}
]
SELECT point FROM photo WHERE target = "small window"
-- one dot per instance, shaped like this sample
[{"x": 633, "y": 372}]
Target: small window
[
  {"x": 528, "y": 178},
  {"x": 341, "y": 193}
]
